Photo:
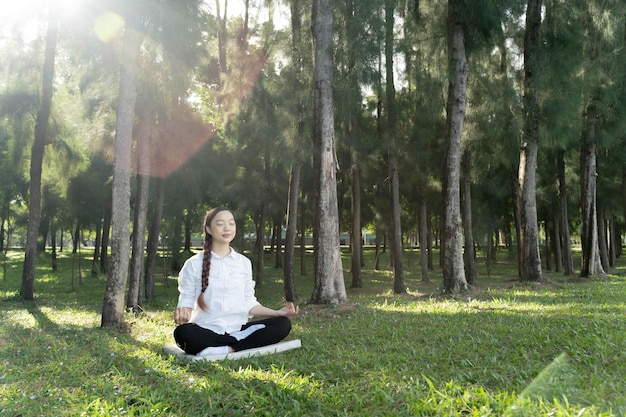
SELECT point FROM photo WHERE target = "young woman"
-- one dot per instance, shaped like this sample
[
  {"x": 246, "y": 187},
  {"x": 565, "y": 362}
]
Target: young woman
[{"x": 217, "y": 297}]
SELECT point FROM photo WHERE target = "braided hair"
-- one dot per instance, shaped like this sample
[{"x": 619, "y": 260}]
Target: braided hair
[{"x": 206, "y": 259}]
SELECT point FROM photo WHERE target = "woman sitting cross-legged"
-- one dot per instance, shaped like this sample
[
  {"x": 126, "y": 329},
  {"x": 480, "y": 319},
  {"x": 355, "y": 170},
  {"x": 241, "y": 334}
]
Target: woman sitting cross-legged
[{"x": 217, "y": 297}]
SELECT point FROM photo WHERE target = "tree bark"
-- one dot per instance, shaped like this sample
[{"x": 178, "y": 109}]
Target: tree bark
[
  {"x": 290, "y": 234},
  {"x": 27, "y": 291},
  {"x": 302, "y": 227},
  {"x": 221, "y": 38},
  {"x": 602, "y": 241},
  {"x": 53, "y": 243},
  {"x": 591, "y": 263},
  {"x": 259, "y": 245},
  {"x": 296, "y": 167},
  {"x": 453, "y": 267},
  {"x": 423, "y": 232},
  {"x": 530, "y": 262},
  {"x": 548, "y": 244},
  {"x": 357, "y": 237},
  {"x": 96, "y": 248},
  {"x": 566, "y": 244},
  {"x": 558, "y": 249},
  {"x": 153, "y": 237},
  {"x": 469, "y": 254},
  {"x": 278, "y": 233},
  {"x": 394, "y": 176},
  {"x": 329, "y": 286},
  {"x": 354, "y": 107},
  {"x": 113, "y": 303},
  {"x": 144, "y": 131},
  {"x": 106, "y": 233},
  {"x": 516, "y": 195},
  {"x": 612, "y": 242}
]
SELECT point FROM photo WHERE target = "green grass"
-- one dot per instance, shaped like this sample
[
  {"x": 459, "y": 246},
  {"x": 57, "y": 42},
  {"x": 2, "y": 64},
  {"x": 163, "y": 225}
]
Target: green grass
[{"x": 504, "y": 349}]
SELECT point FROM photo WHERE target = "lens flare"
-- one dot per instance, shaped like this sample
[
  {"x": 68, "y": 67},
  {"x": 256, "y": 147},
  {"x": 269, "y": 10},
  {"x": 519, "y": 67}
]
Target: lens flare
[{"x": 108, "y": 26}]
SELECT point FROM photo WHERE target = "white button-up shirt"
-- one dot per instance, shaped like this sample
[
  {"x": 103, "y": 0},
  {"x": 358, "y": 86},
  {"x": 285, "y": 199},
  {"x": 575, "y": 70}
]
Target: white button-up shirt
[{"x": 229, "y": 296}]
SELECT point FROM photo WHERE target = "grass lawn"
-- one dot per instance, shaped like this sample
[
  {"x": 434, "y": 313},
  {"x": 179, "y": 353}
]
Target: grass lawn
[{"x": 503, "y": 349}]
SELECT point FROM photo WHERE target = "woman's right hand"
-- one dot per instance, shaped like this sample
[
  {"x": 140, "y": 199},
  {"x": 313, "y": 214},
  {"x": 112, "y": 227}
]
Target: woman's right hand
[{"x": 182, "y": 315}]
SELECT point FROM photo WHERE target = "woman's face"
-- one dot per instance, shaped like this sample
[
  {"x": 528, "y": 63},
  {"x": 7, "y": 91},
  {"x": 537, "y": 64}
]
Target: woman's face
[{"x": 223, "y": 227}]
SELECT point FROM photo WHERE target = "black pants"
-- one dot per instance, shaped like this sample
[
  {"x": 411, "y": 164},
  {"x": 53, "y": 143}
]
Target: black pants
[{"x": 193, "y": 339}]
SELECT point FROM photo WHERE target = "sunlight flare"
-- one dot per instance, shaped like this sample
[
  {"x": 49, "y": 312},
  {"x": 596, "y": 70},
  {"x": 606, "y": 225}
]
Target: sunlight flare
[{"x": 108, "y": 26}]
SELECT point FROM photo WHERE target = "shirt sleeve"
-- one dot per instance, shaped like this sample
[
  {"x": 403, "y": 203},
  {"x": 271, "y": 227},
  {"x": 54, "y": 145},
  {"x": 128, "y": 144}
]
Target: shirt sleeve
[
  {"x": 250, "y": 298},
  {"x": 189, "y": 283}
]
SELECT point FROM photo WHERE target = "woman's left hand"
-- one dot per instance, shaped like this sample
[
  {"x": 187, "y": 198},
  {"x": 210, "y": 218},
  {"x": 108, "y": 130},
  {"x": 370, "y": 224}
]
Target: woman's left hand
[
  {"x": 289, "y": 310},
  {"x": 286, "y": 311}
]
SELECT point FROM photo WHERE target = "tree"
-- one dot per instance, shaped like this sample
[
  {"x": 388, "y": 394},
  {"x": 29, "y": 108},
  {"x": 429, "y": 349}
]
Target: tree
[
  {"x": 329, "y": 286},
  {"x": 152, "y": 245},
  {"x": 37, "y": 151},
  {"x": 298, "y": 62},
  {"x": 600, "y": 45},
  {"x": 453, "y": 269},
  {"x": 530, "y": 261},
  {"x": 469, "y": 254},
  {"x": 113, "y": 303},
  {"x": 144, "y": 132},
  {"x": 391, "y": 131},
  {"x": 568, "y": 260}
]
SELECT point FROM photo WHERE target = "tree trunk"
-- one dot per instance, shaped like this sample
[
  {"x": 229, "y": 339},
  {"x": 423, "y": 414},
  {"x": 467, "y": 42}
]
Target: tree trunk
[
  {"x": 602, "y": 241},
  {"x": 329, "y": 286},
  {"x": 530, "y": 262},
  {"x": 516, "y": 194},
  {"x": 566, "y": 244},
  {"x": 106, "y": 232},
  {"x": 423, "y": 232},
  {"x": 558, "y": 248},
  {"x": 296, "y": 168},
  {"x": 113, "y": 303},
  {"x": 302, "y": 227},
  {"x": 273, "y": 240},
  {"x": 394, "y": 176},
  {"x": 357, "y": 237},
  {"x": 488, "y": 251},
  {"x": 591, "y": 264},
  {"x": 27, "y": 291},
  {"x": 261, "y": 221},
  {"x": 453, "y": 268},
  {"x": 221, "y": 38},
  {"x": 144, "y": 131},
  {"x": 548, "y": 244},
  {"x": 96, "y": 248},
  {"x": 3, "y": 231},
  {"x": 76, "y": 237},
  {"x": 278, "y": 240},
  {"x": 377, "y": 250},
  {"x": 188, "y": 222},
  {"x": 153, "y": 237},
  {"x": 354, "y": 107},
  {"x": 429, "y": 240},
  {"x": 290, "y": 234},
  {"x": 53, "y": 243},
  {"x": 612, "y": 242},
  {"x": 469, "y": 254},
  {"x": 259, "y": 246}
]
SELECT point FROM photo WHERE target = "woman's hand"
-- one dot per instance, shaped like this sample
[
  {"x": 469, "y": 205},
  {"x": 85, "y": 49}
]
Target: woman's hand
[
  {"x": 182, "y": 315},
  {"x": 289, "y": 310},
  {"x": 286, "y": 311}
]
